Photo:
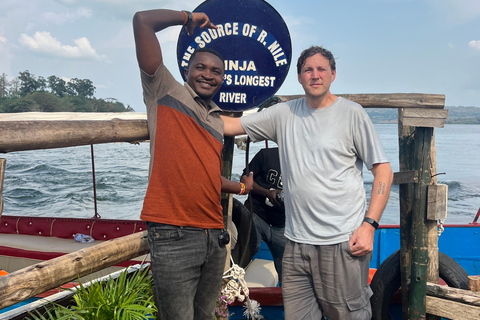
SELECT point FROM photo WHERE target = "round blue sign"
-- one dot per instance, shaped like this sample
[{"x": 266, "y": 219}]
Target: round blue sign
[{"x": 253, "y": 39}]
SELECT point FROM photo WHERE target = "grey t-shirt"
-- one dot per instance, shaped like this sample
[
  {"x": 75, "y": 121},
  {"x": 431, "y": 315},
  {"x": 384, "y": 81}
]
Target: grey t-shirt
[{"x": 322, "y": 152}]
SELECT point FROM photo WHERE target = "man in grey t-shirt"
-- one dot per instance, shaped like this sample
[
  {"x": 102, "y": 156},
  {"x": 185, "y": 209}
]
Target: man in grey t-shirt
[{"x": 324, "y": 141}]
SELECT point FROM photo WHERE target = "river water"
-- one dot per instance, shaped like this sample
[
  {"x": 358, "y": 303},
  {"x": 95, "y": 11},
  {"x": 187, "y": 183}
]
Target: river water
[{"x": 58, "y": 182}]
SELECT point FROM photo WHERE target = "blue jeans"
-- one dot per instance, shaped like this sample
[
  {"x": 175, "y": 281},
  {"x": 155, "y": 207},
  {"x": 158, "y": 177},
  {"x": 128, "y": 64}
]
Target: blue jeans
[
  {"x": 274, "y": 238},
  {"x": 187, "y": 267}
]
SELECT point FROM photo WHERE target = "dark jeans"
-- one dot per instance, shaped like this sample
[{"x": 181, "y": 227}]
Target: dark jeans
[
  {"x": 187, "y": 266},
  {"x": 274, "y": 238}
]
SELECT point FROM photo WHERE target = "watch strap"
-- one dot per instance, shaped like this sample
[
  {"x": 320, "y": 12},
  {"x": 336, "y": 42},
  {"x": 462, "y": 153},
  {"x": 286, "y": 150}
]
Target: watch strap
[{"x": 372, "y": 222}]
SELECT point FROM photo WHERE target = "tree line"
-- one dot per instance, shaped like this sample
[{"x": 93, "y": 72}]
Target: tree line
[{"x": 27, "y": 93}]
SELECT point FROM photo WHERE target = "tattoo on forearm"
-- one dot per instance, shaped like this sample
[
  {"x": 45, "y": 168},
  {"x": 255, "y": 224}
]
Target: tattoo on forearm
[{"x": 381, "y": 188}]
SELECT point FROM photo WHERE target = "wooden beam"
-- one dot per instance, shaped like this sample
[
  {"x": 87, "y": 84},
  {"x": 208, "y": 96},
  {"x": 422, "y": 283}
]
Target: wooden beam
[
  {"x": 41, "y": 134},
  {"x": 28, "y": 282},
  {"x": 432, "y": 118},
  {"x": 453, "y": 294},
  {"x": 388, "y": 100},
  {"x": 451, "y": 310},
  {"x": 404, "y": 177}
]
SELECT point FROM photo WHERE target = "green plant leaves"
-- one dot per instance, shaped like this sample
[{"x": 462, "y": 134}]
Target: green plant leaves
[{"x": 129, "y": 297}]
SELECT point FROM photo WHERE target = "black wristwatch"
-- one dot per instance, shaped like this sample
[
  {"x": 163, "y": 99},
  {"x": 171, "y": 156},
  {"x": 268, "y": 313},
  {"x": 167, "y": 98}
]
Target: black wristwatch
[
  {"x": 372, "y": 222},
  {"x": 189, "y": 18}
]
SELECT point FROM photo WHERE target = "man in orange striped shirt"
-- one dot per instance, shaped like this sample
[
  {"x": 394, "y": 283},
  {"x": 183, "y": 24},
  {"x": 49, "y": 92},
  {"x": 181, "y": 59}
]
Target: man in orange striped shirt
[{"x": 182, "y": 204}]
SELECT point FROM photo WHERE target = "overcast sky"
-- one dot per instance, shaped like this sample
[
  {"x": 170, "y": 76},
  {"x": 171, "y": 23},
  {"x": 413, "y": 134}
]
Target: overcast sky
[{"x": 381, "y": 46}]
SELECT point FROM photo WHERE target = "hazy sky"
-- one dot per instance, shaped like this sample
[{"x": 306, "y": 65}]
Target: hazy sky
[{"x": 381, "y": 46}]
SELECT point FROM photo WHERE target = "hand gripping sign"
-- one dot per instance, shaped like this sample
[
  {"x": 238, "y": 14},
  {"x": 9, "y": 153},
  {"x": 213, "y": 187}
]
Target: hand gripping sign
[{"x": 255, "y": 43}]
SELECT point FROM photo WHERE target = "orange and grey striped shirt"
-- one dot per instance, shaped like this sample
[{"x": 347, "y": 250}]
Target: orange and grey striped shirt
[{"x": 186, "y": 141}]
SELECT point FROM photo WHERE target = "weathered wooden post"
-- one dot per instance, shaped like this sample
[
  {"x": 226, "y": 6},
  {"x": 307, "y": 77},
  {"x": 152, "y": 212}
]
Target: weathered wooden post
[
  {"x": 419, "y": 250},
  {"x": 2, "y": 176},
  {"x": 417, "y": 294},
  {"x": 406, "y": 152}
]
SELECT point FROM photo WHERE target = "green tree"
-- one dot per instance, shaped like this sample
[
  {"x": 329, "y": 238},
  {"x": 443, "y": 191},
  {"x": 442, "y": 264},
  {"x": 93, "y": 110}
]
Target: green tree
[
  {"x": 3, "y": 85},
  {"x": 22, "y": 105},
  {"x": 28, "y": 83},
  {"x": 48, "y": 102},
  {"x": 41, "y": 84},
  {"x": 57, "y": 86},
  {"x": 81, "y": 87},
  {"x": 14, "y": 88}
]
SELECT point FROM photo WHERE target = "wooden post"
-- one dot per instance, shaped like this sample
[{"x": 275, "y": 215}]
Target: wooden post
[
  {"x": 474, "y": 283},
  {"x": 2, "y": 176},
  {"x": 227, "y": 158},
  {"x": 431, "y": 225},
  {"x": 28, "y": 282},
  {"x": 406, "y": 163},
  {"x": 417, "y": 294}
]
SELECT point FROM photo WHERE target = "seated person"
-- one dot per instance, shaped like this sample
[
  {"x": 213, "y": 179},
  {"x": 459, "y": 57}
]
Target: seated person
[{"x": 267, "y": 203}]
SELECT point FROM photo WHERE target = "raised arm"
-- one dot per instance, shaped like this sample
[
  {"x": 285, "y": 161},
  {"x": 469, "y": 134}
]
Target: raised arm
[{"x": 147, "y": 23}]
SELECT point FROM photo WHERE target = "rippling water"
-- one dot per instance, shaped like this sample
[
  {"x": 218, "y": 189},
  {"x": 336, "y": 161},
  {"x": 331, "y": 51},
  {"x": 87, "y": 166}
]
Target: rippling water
[{"x": 58, "y": 182}]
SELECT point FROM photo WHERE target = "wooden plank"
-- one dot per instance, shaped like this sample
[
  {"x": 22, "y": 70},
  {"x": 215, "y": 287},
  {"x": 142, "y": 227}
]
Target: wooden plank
[
  {"x": 388, "y": 100},
  {"x": 437, "y": 202},
  {"x": 451, "y": 310},
  {"x": 404, "y": 177},
  {"x": 28, "y": 282},
  {"x": 425, "y": 117},
  {"x": 453, "y": 294},
  {"x": 39, "y": 134},
  {"x": 2, "y": 176}
]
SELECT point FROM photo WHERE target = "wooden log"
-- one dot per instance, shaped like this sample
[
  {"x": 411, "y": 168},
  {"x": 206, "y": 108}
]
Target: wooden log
[
  {"x": 432, "y": 118},
  {"x": 389, "y": 100},
  {"x": 40, "y": 134},
  {"x": 2, "y": 176},
  {"x": 28, "y": 282},
  {"x": 474, "y": 283},
  {"x": 453, "y": 294}
]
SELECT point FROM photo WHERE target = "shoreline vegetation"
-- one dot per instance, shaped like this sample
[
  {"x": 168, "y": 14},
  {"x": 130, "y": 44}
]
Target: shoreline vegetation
[
  {"x": 28, "y": 93},
  {"x": 456, "y": 115}
]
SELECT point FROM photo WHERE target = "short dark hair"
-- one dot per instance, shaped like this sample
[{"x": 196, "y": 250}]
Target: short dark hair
[
  {"x": 204, "y": 49},
  {"x": 313, "y": 50}
]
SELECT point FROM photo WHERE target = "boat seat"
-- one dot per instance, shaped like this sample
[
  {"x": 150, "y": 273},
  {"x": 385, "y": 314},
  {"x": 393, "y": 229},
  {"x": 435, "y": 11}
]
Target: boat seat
[
  {"x": 18, "y": 251},
  {"x": 261, "y": 273}
]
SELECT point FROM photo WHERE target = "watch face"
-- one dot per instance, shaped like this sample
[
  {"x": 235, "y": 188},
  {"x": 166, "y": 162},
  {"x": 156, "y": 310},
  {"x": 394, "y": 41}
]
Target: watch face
[{"x": 255, "y": 43}]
